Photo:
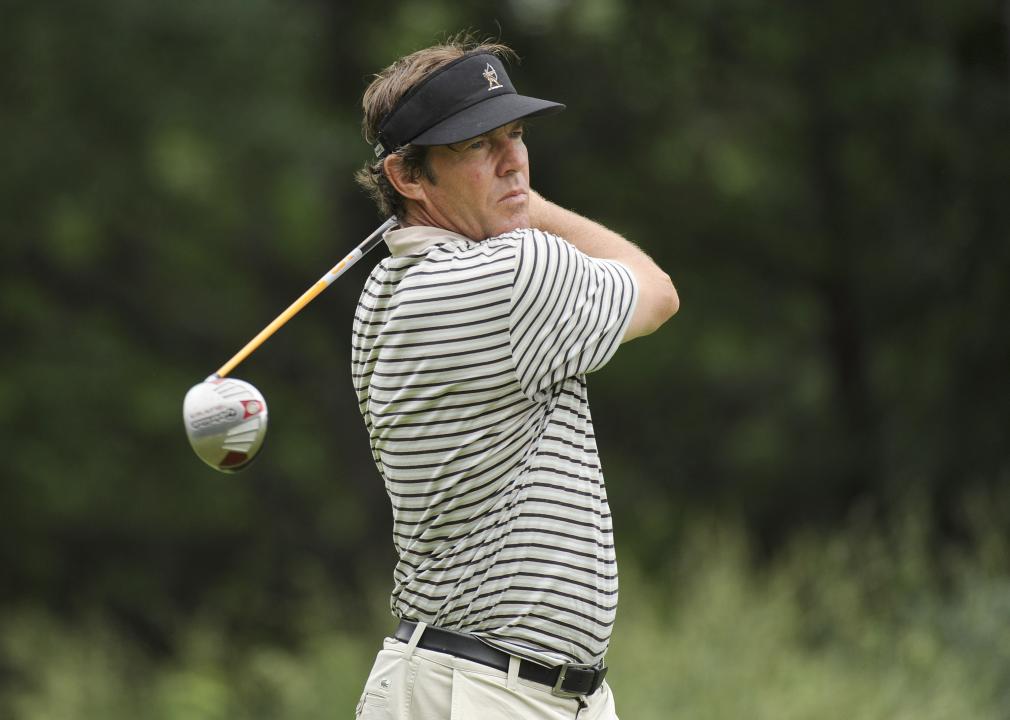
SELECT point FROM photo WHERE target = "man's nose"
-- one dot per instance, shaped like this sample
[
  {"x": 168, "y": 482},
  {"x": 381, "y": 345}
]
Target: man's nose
[{"x": 512, "y": 157}]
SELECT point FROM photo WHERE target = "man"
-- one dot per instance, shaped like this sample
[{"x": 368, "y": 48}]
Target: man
[{"x": 471, "y": 344}]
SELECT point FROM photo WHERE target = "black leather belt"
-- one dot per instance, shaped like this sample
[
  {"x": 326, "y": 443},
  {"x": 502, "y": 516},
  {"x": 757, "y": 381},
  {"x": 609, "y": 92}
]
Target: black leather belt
[{"x": 568, "y": 680}]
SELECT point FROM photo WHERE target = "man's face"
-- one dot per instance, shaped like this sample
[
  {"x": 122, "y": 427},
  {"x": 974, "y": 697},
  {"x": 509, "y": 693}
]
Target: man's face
[{"x": 481, "y": 185}]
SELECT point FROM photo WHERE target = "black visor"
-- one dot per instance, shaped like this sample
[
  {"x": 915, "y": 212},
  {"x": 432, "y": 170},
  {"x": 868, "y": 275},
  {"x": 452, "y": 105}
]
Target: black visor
[{"x": 461, "y": 100}]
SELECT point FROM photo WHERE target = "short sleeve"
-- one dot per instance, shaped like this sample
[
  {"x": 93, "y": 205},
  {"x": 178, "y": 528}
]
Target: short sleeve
[{"x": 569, "y": 311}]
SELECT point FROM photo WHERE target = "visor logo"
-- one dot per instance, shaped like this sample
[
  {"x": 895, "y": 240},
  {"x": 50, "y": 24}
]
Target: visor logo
[{"x": 492, "y": 78}]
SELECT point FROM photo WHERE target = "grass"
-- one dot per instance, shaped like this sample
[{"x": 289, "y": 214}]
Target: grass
[
  {"x": 864, "y": 625},
  {"x": 843, "y": 629}
]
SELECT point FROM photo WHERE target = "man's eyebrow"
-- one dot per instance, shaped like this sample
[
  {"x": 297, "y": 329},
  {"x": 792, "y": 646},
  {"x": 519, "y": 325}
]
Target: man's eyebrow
[
  {"x": 519, "y": 124},
  {"x": 461, "y": 145}
]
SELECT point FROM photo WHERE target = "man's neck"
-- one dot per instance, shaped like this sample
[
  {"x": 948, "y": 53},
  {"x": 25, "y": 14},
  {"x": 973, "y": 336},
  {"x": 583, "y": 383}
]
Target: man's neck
[{"x": 415, "y": 215}]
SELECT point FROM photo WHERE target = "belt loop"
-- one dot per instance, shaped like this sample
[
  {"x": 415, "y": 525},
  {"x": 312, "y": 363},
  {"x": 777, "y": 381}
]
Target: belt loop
[
  {"x": 513, "y": 676},
  {"x": 415, "y": 637}
]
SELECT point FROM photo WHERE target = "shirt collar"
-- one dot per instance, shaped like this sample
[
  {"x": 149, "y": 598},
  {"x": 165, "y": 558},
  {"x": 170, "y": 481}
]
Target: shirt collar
[{"x": 414, "y": 239}]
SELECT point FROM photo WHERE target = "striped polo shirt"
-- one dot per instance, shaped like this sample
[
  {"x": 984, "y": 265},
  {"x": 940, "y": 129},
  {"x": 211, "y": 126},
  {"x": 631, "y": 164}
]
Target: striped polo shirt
[{"x": 469, "y": 361}]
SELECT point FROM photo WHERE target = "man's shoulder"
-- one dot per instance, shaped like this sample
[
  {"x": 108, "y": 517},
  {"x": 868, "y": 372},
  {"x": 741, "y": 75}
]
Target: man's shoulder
[
  {"x": 520, "y": 236},
  {"x": 512, "y": 238}
]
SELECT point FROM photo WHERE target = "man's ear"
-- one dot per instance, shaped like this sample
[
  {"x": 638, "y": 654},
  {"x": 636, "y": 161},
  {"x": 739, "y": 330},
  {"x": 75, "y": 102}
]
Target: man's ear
[{"x": 396, "y": 173}]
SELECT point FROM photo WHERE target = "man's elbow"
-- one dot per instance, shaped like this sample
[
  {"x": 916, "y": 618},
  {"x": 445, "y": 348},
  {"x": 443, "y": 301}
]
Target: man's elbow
[
  {"x": 672, "y": 299},
  {"x": 658, "y": 301},
  {"x": 666, "y": 301},
  {"x": 662, "y": 304}
]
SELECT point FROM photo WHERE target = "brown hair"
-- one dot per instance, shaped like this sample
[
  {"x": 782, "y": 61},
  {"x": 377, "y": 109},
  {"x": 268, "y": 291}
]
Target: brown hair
[{"x": 382, "y": 95}]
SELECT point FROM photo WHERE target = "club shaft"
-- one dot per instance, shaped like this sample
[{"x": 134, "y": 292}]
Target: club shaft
[{"x": 308, "y": 296}]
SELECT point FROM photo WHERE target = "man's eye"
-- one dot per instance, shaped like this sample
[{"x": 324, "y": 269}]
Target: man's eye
[{"x": 475, "y": 145}]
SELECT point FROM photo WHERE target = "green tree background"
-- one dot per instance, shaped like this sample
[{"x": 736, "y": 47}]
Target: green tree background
[{"x": 815, "y": 447}]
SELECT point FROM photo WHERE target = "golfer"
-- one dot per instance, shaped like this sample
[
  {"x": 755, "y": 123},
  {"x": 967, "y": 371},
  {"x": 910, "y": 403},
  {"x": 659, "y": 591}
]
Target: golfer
[{"x": 471, "y": 346}]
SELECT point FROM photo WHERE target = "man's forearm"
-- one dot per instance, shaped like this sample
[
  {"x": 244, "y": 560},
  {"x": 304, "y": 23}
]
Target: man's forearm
[{"x": 589, "y": 236}]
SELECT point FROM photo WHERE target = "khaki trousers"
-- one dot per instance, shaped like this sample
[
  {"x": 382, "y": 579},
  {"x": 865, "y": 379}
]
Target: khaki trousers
[{"x": 410, "y": 683}]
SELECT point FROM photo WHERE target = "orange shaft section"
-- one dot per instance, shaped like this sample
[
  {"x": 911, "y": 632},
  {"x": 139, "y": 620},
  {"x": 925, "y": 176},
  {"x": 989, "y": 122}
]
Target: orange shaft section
[{"x": 293, "y": 309}]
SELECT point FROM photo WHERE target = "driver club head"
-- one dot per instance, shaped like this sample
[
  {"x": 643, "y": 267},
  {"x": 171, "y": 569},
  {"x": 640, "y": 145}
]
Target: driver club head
[{"x": 226, "y": 421}]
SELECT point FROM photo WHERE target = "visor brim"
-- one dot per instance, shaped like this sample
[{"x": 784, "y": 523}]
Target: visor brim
[{"x": 484, "y": 116}]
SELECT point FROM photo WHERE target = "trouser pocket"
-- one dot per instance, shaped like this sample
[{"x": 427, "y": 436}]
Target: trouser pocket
[
  {"x": 372, "y": 706},
  {"x": 388, "y": 689}
]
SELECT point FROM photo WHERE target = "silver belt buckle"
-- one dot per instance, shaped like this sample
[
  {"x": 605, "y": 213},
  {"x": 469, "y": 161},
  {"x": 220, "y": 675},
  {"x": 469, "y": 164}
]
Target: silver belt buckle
[{"x": 562, "y": 673}]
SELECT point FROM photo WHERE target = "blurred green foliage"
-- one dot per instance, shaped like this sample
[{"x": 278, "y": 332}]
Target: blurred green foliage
[
  {"x": 823, "y": 631},
  {"x": 825, "y": 182}
]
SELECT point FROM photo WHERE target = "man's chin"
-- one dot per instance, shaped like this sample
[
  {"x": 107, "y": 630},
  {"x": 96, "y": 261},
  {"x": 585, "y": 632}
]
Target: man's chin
[{"x": 514, "y": 221}]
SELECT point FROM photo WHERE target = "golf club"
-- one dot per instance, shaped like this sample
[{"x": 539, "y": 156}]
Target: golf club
[{"x": 226, "y": 418}]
